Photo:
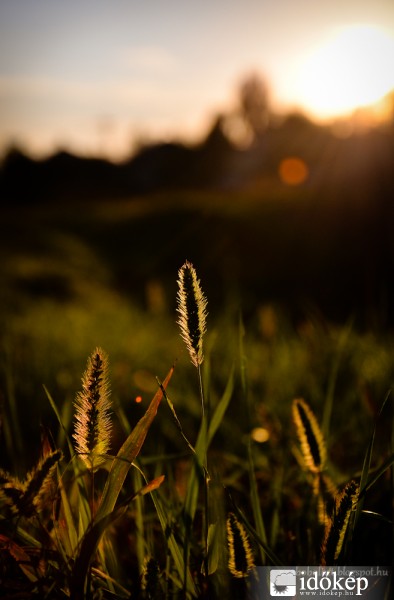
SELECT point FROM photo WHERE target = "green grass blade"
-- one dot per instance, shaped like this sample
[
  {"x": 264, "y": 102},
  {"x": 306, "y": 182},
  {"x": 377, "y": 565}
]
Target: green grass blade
[
  {"x": 87, "y": 550},
  {"x": 127, "y": 454},
  {"x": 382, "y": 469},
  {"x": 367, "y": 464},
  {"x": 377, "y": 516},
  {"x": 174, "y": 548},
  {"x": 214, "y": 549},
  {"x": 140, "y": 543},
  {"x": 175, "y": 417},
  {"x": 221, "y": 408},
  {"x": 329, "y": 401},
  {"x": 277, "y": 488},
  {"x": 91, "y": 539},
  {"x": 24, "y": 535},
  {"x": 83, "y": 504},
  {"x": 204, "y": 440},
  {"x": 58, "y": 416},
  {"x": 12, "y": 425},
  {"x": 68, "y": 534},
  {"x": 255, "y": 502}
]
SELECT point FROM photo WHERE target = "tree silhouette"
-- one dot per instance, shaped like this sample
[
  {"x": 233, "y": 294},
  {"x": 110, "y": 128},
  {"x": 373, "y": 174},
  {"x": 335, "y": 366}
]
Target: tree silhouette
[{"x": 254, "y": 104}]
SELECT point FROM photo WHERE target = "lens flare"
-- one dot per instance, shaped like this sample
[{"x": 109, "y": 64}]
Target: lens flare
[{"x": 293, "y": 170}]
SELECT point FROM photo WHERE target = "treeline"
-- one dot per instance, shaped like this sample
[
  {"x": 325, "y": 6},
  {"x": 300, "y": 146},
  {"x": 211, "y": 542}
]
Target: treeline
[{"x": 359, "y": 164}]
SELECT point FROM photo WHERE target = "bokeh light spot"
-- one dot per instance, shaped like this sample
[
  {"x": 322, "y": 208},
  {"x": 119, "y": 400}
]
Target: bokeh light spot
[
  {"x": 260, "y": 435},
  {"x": 293, "y": 170}
]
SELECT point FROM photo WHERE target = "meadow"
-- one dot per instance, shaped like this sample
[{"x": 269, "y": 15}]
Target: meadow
[{"x": 291, "y": 459}]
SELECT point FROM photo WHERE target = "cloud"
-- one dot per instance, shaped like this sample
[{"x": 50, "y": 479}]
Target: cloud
[{"x": 286, "y": 578}]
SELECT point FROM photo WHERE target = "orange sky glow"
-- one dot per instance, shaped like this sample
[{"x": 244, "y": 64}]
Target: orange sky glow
[{"x": 99, "y": 77}]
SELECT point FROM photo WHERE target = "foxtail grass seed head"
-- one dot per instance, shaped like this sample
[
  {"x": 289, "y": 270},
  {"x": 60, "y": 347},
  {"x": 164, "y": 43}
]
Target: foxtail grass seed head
[
  {"x": 337, "y": 526},
  {"x": 29, "y": 497},
  {"x": 240, "y": 561},
  {"x": 150, "y": 577},
  {"x": 310, "y": 436},
  {"x": 192, "y": 309},
  {"x": 325, "y": 490},
  {"x": 11, "y": 492},
  {"x": 92, "y": 431},
  {"x": 39, "y": 481}
]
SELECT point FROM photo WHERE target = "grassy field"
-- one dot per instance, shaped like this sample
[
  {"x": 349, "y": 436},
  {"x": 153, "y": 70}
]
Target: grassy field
[{"x": 105, "y": 275}]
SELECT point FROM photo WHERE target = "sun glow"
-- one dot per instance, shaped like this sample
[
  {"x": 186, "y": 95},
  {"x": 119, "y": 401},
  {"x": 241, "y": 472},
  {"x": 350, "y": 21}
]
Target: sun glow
[{"x": 354, "y": 68}]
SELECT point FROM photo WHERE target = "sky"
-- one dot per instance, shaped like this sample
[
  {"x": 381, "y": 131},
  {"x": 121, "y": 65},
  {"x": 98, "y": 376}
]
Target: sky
[{"x": 98, "y": 77}]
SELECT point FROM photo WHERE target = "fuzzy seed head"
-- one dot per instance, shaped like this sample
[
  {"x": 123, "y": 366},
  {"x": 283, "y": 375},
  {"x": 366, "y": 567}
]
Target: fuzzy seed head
[
  {"x": 29, "y": 497},
  {"x": 192, "y": 309},
  {"x": 92, "y": 431},
  {"x": 150, "y": 577},
  {"x": 240, "y": 561},
  {"x": 310, "y": 436},
  {"x": 337, "y": 526}
]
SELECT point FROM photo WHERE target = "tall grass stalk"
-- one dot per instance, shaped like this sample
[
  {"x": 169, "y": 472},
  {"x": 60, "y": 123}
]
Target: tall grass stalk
[
  {"x": 192, "y": 309},
  {"x": 254, "y": 494}
]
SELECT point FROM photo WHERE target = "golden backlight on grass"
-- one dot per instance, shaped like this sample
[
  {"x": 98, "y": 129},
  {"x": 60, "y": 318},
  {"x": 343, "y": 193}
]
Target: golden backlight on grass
[{"x": 293, "y": 170}]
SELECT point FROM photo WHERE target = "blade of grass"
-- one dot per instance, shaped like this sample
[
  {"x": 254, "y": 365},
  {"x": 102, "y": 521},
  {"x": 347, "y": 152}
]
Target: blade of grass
[
  {"x": 175, "y": 550},
  {"x": 60, "y": 421},
  {"x": 221, "y": 408},
  {"x": 255, "y": 502},
  {"x": 199, "y": 471},
  {"x": 12, "y": 425},
  {"x": 364, "y": 484},
  {"x": 382, "y": 469},
  {"x": 121, "y": 591},
  {"x": 329, "y": 401},
  {"x": 68, "y": 533},
  {"x": 204, "y": 440},
  {"x": 139, "y": 521},
  {"x": 83, "y": 504},
  {"x": 217, "y": 533},
  {"x": 127, "y": 453},
  {"x": 377, "y": 516},
  {"x": 92, "y": 537},
  {"x": 87, "y": 550},
  {"x": 277, "y": 489},
  {"x": 108, "y": 563},
  {"x": 175, "y": 417},
  {"x": 29, "y": 539},
  {"x": 367, "y": 463}
]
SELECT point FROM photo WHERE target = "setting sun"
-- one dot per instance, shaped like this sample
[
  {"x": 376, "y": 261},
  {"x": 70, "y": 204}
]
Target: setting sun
[
  {"x": 352, "y": 69},
  {"x": 101, "y": 82}
]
